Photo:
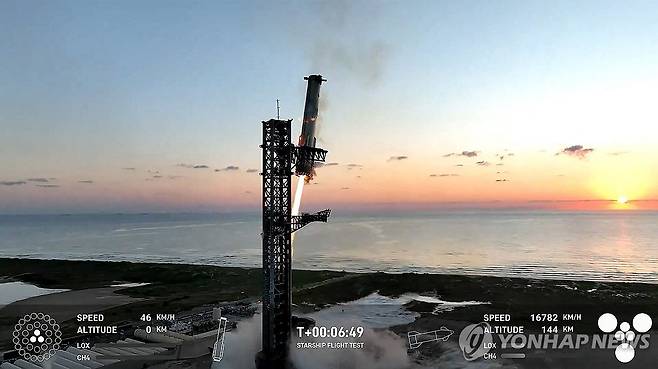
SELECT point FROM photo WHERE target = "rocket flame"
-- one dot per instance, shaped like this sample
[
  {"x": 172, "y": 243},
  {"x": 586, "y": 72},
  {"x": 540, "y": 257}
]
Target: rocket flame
[
  {"x": 299, "y": 190},
  {"x": 297, "y": 201},
  {"x": 307, "y": 178}
]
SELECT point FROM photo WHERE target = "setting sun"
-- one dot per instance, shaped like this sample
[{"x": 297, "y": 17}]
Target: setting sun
[{"x": 622, "y": 200}]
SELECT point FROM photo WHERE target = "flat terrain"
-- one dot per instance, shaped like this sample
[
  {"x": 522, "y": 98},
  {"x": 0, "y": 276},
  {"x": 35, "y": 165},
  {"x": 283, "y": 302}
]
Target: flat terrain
[{"x": 177, "y": 288}]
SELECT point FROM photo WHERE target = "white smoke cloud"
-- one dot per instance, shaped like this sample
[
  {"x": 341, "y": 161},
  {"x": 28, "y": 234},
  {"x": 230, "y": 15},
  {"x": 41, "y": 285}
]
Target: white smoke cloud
[
  {"x": 382, "y": 349},
  {"x": 241, "y": 345}
]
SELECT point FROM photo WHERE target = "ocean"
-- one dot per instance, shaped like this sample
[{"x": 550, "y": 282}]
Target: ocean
[{"x": 600, "y": 246}]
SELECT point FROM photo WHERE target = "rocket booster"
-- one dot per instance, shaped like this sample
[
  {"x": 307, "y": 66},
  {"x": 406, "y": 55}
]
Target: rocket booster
[{"x": 307, "y": 138}]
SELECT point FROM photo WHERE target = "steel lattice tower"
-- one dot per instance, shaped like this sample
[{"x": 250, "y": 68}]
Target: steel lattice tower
[
  {"x": 277, "y": 164},
  {"x": 280, "y": 157}
]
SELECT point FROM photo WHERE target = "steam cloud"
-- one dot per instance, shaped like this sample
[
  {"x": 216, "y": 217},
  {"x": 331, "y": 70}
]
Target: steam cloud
[
  {"x": 382, "y": 350},
  {"x": 242, "y": 344}
]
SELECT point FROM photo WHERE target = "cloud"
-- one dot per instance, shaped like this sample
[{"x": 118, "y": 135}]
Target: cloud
[
  {"x": 618, "y": 153},
  {"x": 12, "y": 183},
  {"x": 228, "y": 168},
  {"x": 318, "y": 165},
  {"x": 398, "y": 158},
  {"x": 468, "y": 154},
  {"x": 174, "y": 177},
  {"x": 48, "y": 185},
  {"x": 157, "y": 176},
  {"x": 40, "y": 180},
  {"x": 251, "y": 170},
  {"x": 444, "y": 175},
  {"x": 504, "y": 155},
  {"x": 577, "y": 151},
  {"x": 352, "y": 166},
  {"x": 502, "y": 180},
  {"x": 483, "y": 163},
  {"x": 128, "y": 168},
  {"x": 499, "y": 164},
  {"x": 192, "y": 166},
  {"x": 88, "y": 181},
  {"x": 344, "y": 188},
  {"x": 459, "y": 165}
]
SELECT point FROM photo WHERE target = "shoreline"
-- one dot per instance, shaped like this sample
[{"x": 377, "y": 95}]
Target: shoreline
[{"x": 328, "y": 270}]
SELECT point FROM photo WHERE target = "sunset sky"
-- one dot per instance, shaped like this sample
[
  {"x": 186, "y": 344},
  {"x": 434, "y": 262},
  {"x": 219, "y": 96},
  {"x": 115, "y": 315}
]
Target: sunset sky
[{"x": 110, "y": 106}]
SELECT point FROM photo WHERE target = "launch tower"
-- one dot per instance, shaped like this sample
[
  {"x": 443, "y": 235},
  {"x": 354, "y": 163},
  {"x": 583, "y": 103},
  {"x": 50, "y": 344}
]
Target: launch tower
[{"x": 281, "y": 159}]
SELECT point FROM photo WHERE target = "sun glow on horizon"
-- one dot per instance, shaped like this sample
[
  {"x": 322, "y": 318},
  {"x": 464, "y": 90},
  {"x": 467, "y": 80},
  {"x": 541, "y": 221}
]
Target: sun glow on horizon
[{"x": 622, "y": 200}]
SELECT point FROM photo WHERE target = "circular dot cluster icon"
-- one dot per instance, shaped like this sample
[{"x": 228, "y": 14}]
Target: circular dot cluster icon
[
  {"x": 37, "y": 337},
  {"x": 625, "y": 352}
]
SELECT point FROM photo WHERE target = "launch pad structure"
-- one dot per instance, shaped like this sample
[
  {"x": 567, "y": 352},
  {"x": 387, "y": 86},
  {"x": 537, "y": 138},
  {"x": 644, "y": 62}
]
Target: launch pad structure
[{"x": 282, "y": 159}]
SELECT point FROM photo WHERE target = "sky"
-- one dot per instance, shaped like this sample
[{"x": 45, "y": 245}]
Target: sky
[{"x": 131, "y": 106}]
